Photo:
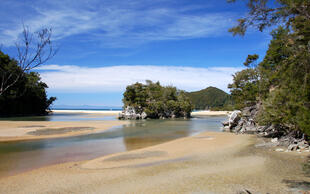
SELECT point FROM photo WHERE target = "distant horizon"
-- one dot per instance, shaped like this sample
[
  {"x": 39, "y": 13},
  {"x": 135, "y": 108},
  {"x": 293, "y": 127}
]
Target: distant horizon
[
  {"x": 106, "y": 45},
  {"x": 100, "y": 107},
  {"x": 84, "y": 107}
]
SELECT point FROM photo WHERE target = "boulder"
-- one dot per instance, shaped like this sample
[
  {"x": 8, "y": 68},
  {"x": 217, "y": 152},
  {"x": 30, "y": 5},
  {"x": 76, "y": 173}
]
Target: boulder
[
  {"x": 303, "y": 145},
  {"x": 226, "y": 129},
  {"x": 292, "y": 147},
  {"x": 225, "y": 123},
  {"x": 234, "y": 118},
  {"x": 143, "y": 115},
  {"x": 274, "y": 140}
]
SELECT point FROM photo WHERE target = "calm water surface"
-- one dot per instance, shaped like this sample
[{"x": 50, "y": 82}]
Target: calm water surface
[{"x": 26, "y": 155}]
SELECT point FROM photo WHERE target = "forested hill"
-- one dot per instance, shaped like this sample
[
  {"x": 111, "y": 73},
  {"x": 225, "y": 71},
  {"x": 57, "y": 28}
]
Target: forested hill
[{"x": 209, "y": 98}]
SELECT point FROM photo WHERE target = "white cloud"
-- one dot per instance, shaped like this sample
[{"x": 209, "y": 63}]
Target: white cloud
[
  {"x": 118, "y": 23},
  {"x": 116, "y": 78}
]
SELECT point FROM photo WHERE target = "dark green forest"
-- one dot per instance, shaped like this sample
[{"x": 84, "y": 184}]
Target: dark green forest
[
  {"x": 210, "y": 98},
  {"x": 157, "y": 101},
  {"x": 279, "y": 82},
  {"x": 25, "y": 97}
]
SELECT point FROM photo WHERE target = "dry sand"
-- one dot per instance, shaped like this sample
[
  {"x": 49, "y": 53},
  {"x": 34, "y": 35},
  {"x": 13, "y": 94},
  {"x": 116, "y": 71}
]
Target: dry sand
[
  {"x": 207, "y": 163},
  {"x": 115, "y": 113},
  {"x": 210, "y": 113},
  {"x": 29, "y": 130}
]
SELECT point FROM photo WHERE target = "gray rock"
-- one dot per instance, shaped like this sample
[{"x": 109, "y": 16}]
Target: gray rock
[
  {"x": 261, "y": 128},
  {"x": 129, "y": 113},
  {"x": 292, "y": 147},
  {"x": 279, "y": 150},
  {"x": 274, "y": 140},
  {"x": 225, "y": 123},
  {"x": 143, "y": 115},
  {"x": 234, "y": 118},
  {"x": 303, "y": 144},
  {"x": 226, "y": 129},
  {"x": 238, "y": 128}
]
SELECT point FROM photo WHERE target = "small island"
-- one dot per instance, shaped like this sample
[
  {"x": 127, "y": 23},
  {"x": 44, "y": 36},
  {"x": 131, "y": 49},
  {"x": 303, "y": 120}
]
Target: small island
[{"x": 151, "y": 100}]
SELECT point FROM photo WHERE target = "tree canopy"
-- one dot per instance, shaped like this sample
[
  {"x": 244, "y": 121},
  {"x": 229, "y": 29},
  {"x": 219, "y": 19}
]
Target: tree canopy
[
  {"x": 157, "y": 101},
  {"x": 27, "y": 96},
  {"x": 281, "y": 81}
]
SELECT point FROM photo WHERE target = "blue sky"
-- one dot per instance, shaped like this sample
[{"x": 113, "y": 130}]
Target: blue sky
[{"x": 105, "y": 45}]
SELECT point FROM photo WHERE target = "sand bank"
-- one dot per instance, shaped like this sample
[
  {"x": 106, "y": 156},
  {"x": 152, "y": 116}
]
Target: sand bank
[
  {"x": 210, "y": 113},
  {"x": 209, "y": 162},
  {"x": 29, "y": 130},
  {"x": 116, "y": 113}
]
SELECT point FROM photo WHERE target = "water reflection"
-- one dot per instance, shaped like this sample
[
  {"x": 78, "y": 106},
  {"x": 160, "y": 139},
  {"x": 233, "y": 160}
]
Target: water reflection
[
  {"x": 21, "y": 156},
  {"x": 153, "y": 132}
]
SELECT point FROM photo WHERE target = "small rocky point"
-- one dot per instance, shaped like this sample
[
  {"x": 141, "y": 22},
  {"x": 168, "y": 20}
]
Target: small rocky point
[
  {"x": 129, "y": 113},
  {"x": 244, "y": 122}
]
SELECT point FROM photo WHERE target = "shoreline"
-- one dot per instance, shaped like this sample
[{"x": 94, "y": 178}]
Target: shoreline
[
  {"x": 200, "y": 163},
  {"x": 11, "y": 131},
  {"x": 115, "y": 113}
]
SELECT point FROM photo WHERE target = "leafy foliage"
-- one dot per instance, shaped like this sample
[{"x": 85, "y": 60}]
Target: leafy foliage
[
  {"x": 244, "y": 89},
  {"x": 263, "y": 14},
  {"x": 27, "y": 96},
  {"x": 210, "y": 98},
  {"x": 157, "y": 101},
  {"x": 281, "y": 82}
]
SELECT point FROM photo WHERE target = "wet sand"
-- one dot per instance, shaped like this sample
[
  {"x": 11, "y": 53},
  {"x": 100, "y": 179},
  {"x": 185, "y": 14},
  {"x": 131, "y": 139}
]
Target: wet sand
[
  {"x": 30, "y": 130},
  {"x": 209, "y": 162}
]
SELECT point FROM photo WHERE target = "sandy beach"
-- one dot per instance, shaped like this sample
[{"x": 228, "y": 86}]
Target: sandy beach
[
  {"x": 210, "y": 162},
  {"x": 210, "y": 113},
  {"x": 30, "y": 130},
  {"x": 115, "y": 113}
]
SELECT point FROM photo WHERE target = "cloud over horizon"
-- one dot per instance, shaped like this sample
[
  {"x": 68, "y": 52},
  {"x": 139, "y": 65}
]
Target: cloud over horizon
[{"x": 70, "y": 78}]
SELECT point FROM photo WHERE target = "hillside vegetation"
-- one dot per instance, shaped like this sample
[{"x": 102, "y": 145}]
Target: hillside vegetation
[{"x": 210, "y": 98}]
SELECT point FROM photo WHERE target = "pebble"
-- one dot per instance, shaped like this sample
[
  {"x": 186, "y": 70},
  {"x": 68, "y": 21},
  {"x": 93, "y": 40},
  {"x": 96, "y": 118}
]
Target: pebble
[{"x": 279, "y": 150}]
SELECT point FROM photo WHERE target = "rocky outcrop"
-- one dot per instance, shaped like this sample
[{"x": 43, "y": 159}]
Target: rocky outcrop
[
  {"x": 245, "y": 122},
  {"x": 129, "y": 113}
]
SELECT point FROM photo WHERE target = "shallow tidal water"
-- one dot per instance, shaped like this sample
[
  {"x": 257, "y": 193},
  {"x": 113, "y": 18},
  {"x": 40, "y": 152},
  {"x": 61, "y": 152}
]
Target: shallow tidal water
[{"x": 16, "y": 157}]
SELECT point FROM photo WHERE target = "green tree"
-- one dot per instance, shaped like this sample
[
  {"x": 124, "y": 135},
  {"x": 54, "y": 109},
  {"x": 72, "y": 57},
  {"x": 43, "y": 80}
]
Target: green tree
[
  {"x": 282, "y": 83},
  {"x": 157, "y": 101},
  {"x": 33, "y": 50},
  {"x": 263, "y": 14},
  {"x": 245, "y": 86},
  {"x": 27, "y": 96}
]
